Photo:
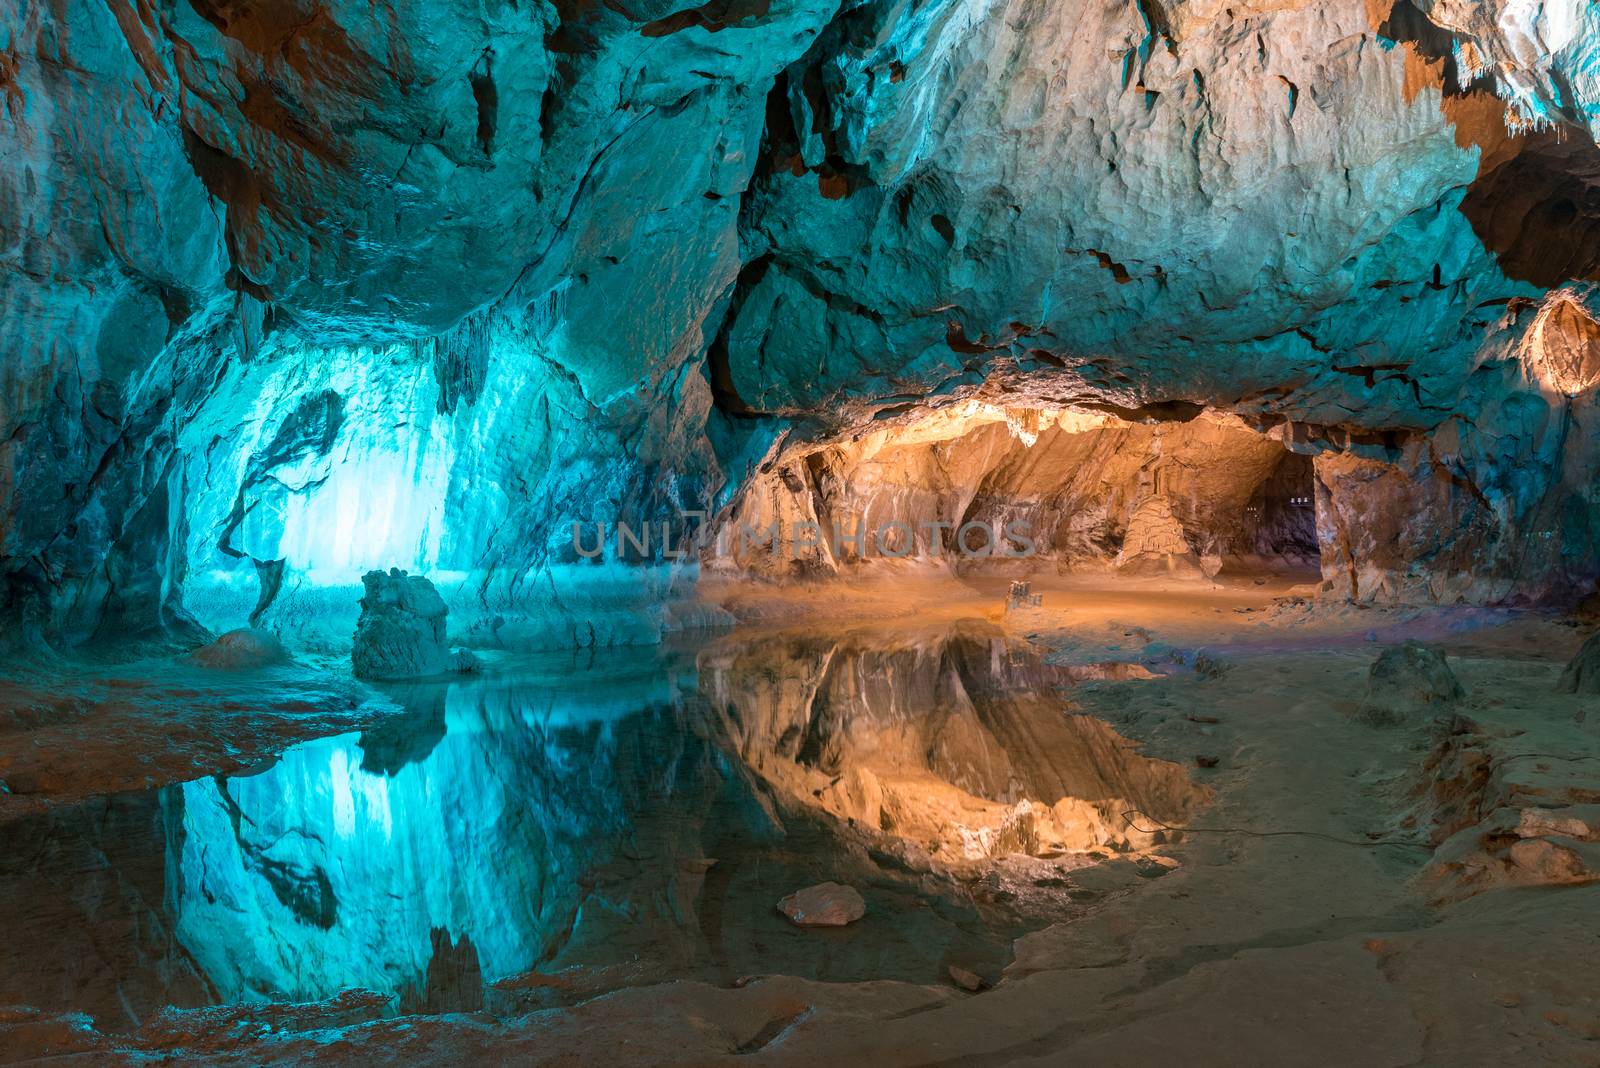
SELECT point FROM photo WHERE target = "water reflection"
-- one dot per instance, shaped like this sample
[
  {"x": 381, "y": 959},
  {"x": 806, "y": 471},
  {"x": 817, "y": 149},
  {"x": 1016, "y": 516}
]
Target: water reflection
[
  {"x": 554, "y": 829},
  {"x": 954, "y": 739},
  {"x": 480, "y": 830}
]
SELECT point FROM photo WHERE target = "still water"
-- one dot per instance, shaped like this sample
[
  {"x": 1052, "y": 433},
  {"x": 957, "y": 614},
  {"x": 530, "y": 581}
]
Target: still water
[{"x": 561, "y": 826}]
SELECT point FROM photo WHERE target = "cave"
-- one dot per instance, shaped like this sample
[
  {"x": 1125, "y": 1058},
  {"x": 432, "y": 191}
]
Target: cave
[{"x": 784, "y": 532}]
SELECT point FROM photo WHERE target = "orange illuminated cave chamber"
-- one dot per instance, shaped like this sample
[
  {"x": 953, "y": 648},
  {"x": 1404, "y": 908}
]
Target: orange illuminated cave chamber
[{"x": 1196, "y": 499}]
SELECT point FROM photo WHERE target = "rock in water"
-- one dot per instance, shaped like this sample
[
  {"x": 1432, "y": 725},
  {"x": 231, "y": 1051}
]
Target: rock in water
[
  {"x": 240, "y": 649},
  {"x": 1408, "y": 683},
  {"x": 401, "y": 634},
  {"x": 823, "y": 905},
  {"x": 1583, "y": 672}
]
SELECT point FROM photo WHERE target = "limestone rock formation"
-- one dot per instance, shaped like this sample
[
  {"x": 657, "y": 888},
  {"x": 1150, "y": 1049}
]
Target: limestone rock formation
[
  {"x": 1541, "y": 58},
  {"x": 401, "y": 634},
  {"x": 1053, "y": 485},
  {"x": 1499, "y": 819},
  {"x": 1155, "y": 540},
  {"x": 1408, "y": 683},
  {"x": 824, "y": 905},
  {"x": 1582, "y": 673}
]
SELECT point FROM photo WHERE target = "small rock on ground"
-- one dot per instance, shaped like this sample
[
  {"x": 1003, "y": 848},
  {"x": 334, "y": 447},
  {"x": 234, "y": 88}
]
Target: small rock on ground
[
  {"x": 965, "y": 980},
  {"x": 1408, "y": 683},
  {"x": 240, "y": 650}
]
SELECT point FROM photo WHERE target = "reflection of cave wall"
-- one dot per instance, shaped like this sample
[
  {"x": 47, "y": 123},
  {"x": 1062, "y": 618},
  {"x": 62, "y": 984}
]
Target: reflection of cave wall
[
  {"x": 955, "y": 740},
  {"x": 287, "y": 880},
  {"x": 1092, "y": 490},
  {"x": 88, "y": 881}
]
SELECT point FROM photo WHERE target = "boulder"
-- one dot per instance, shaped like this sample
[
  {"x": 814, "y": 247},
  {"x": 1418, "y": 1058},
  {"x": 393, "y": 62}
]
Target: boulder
[
  {"x": 401, "y": 633},
  {"x": 240, "y": 649},
  {"x": 1583, "y": 671},
  {"x": 823, "y": 905},
  {"x": 1408, "y": 683},
  {"x": 966, "y": 980}
]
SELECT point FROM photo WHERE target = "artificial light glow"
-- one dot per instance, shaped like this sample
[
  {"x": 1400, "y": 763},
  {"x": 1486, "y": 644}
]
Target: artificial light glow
[
  {"x": 384, "y": 503},
  {"x": 1562, "y": 350}
]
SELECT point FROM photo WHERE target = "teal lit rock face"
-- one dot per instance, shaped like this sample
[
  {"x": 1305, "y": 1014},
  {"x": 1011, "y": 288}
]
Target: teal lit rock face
[{"x": 418, "y": 286}]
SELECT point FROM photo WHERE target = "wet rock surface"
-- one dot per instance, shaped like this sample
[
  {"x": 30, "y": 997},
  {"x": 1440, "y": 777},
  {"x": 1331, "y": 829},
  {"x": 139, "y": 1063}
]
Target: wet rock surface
[
  {"x": 450, "y": 857},
  {"x": 401, "y": 633},
  {"x": 1324, "y": 867}
]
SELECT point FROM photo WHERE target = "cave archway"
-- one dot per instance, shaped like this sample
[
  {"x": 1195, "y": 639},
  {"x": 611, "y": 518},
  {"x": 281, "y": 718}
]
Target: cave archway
[{"x": 1046, "y": 490}]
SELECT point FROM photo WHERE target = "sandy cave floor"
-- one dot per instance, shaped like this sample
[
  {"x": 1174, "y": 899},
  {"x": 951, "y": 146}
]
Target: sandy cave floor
[{"x": 1305, "y": 921}]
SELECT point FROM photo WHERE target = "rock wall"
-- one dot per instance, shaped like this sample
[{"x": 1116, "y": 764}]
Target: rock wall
[
  {"x": 607, "y": 257},
  {"x": 1499, "y": 506},
  {"x": 1057, "y": 489}
]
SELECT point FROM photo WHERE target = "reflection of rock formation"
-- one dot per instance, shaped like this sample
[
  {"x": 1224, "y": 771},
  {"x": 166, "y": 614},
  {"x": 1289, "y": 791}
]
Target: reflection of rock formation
[
  {"x": 953, "y": 741},
  {"x": 587, "y": 822},
  {"x": 320, "y": 875}
]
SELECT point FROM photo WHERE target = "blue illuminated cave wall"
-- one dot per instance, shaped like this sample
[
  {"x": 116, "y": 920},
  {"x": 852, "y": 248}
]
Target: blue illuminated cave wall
[{"x": 467, "y": 459}]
